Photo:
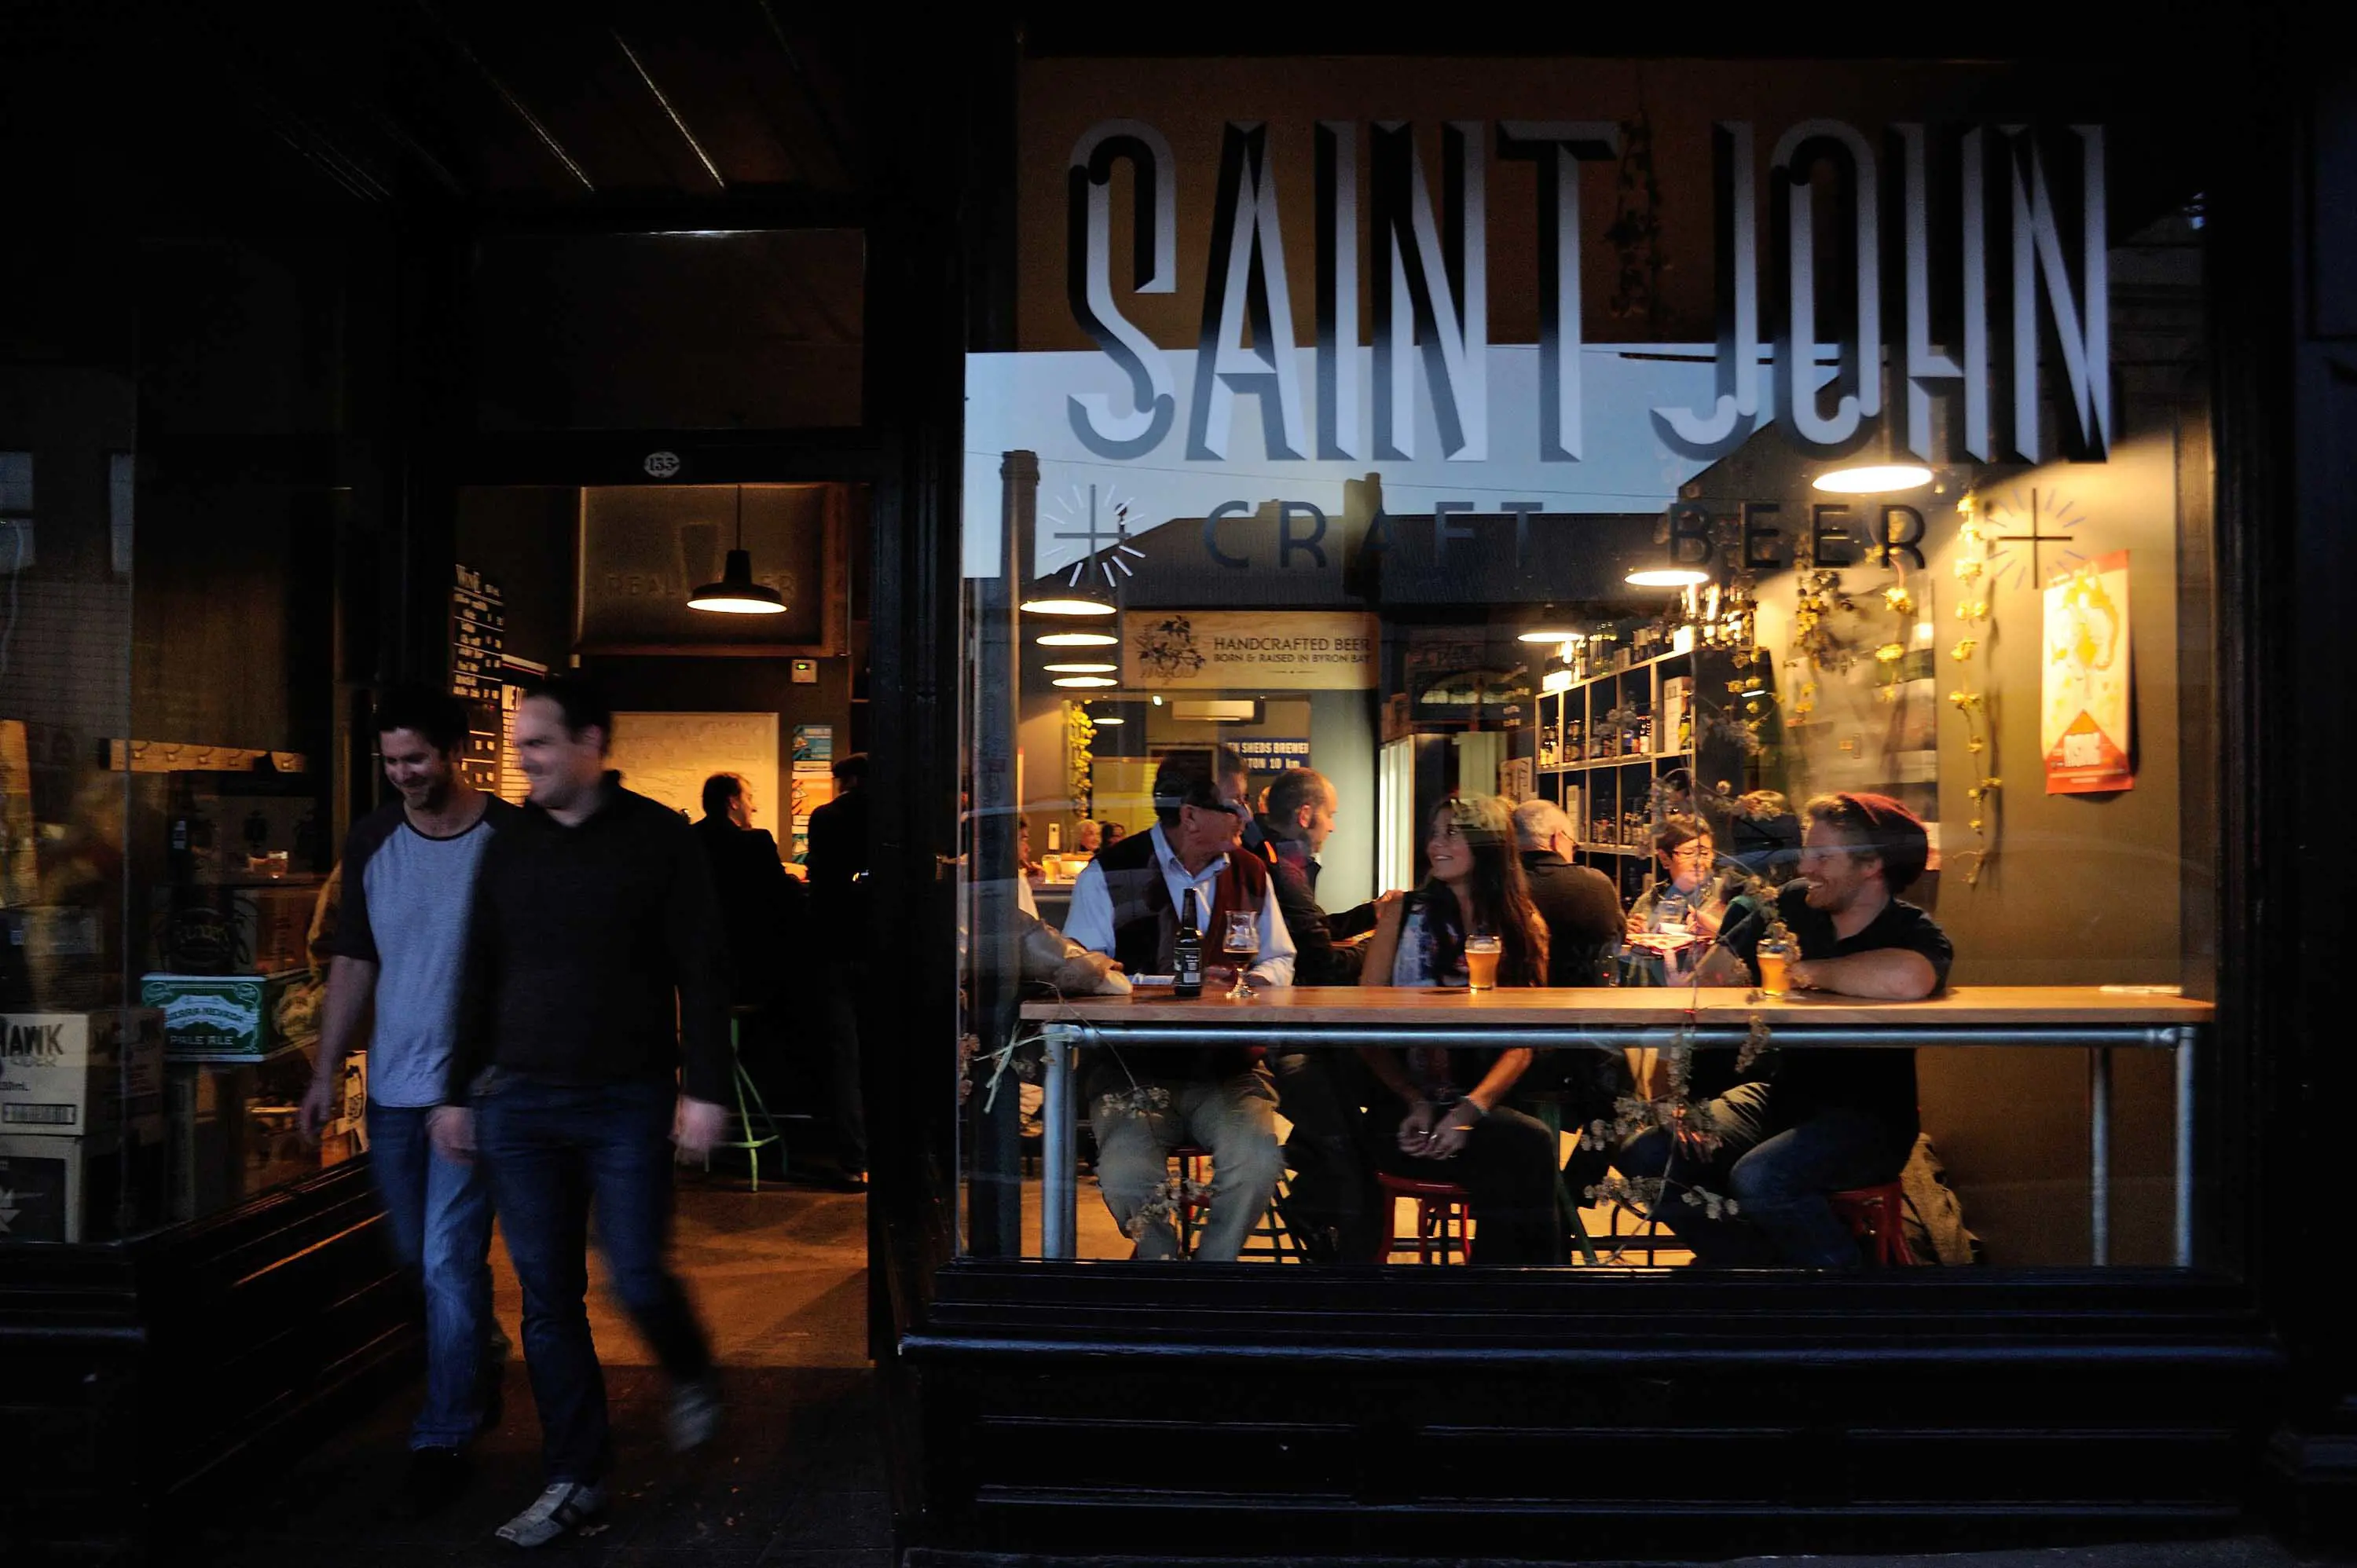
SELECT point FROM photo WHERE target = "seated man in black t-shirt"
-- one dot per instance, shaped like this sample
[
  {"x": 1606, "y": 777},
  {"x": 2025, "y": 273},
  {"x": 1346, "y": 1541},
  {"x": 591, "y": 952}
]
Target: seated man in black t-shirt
[{"x": 1826, "y": 1121}]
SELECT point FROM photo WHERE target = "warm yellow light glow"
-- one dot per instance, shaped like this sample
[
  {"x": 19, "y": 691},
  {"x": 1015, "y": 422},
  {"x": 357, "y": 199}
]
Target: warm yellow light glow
[
  {"x": 1066, "y": 607},
  {"x": 729, "y": 605},
  {"x": 1546, "y": 634},
  {"x": 1086, "y": 681},
  {"x": 1079, "y": 669},
  {"x": 1873, "y": 478},
  {"x": 1108, "y": 719},
  {"x": 1668, "y": 577},
  {"x": 1077, "y": 639}
]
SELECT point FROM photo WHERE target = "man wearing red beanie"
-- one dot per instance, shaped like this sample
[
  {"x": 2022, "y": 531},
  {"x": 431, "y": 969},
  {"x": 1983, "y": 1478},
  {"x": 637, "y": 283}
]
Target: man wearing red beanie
[{"x": 1825, "y": 1121}]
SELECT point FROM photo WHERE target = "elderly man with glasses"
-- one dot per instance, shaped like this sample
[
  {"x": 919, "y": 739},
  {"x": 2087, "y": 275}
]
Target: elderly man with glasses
[{"x": 1146, "y": 1101}]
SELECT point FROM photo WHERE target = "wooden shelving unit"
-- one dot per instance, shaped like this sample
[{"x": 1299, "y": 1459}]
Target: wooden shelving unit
[{"x": 1609, "y": 794}]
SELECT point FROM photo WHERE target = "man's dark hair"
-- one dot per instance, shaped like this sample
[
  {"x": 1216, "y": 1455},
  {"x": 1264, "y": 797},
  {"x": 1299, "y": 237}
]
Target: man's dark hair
[
  {"x": 1185, "y": 778},
  {"x": 852, "y": 770},
  {"x": 440, "y": 717},
  {"x": 1227, "y": 762},
  {"x": 583, "y": 704},
  {"x": 1881, "y": 826},
  {"x": 1295, "y": 788},
  {"x": 719, "y": 790}
]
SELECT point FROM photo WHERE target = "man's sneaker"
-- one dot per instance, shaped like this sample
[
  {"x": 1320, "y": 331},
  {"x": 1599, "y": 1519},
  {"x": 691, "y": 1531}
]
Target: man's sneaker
[
  {"x": 565, "y": 1507},
  {"x": 436, "y": 1478},
  {"x": 694, "y": 1413}
]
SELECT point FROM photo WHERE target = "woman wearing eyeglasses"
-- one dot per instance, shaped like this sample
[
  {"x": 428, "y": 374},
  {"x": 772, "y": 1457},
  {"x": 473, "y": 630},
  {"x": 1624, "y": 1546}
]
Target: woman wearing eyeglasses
[{"x": 1689, "y": 897}]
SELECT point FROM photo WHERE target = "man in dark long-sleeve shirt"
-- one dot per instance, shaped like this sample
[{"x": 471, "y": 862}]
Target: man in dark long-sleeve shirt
[{"x": 594, "y": 1017}]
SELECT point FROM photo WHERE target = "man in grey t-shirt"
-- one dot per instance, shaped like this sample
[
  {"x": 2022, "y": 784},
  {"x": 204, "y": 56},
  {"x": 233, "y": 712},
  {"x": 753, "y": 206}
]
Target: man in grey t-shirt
[{"x": 400, "y": 943}]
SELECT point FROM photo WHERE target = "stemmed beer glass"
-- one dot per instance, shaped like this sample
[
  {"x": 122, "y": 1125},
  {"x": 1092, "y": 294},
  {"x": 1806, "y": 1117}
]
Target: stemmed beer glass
[{"x": 1241, "y": 942}]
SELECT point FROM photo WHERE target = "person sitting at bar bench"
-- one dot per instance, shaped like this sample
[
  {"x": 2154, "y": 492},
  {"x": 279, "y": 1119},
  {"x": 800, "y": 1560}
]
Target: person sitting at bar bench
[
  {"x": 1444, "y": 1118},
  {"x": 1825, "y": 1121},
  {"x": 1329, "y": 1206},
  {"x": 1145, "y": 1103}
]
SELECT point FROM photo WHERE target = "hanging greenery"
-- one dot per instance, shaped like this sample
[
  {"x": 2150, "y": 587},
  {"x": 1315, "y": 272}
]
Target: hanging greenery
[
  {"x": 1975, "y": 549},
  {"x": 1080, "y": 733}
]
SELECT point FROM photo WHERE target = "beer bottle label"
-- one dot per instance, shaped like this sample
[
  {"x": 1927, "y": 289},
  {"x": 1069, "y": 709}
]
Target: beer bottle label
[{"x": 1187, "y": 961}]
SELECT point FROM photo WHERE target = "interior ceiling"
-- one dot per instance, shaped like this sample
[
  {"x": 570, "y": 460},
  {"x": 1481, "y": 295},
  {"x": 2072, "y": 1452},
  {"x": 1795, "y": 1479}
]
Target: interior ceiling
[{"x": 529, "y": 107}]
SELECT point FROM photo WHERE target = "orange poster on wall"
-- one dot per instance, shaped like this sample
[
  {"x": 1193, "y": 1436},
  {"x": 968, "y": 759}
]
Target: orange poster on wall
[{"x": 2085, "y": 716}]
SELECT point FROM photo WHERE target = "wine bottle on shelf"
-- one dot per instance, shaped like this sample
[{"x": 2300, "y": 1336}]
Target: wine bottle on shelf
[{"x": 1187, "y": 961}]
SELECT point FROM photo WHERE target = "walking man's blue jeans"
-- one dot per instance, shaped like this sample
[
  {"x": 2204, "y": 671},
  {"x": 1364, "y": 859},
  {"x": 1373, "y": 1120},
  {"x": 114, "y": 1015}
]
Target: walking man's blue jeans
[
  {"x": 440, "y": 1215},
  {"x": 556, "y": 1153}
]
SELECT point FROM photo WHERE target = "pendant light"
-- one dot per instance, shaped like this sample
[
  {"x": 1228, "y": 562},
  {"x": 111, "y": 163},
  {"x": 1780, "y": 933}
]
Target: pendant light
[
  {"x": 737, "y": 593},
  {"x": 1879, "y": 468}
]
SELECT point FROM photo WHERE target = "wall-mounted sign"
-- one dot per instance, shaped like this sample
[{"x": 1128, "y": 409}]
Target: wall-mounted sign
[
  {"x": 1271, "y": 753},
  {"x": 645, "y": 547},
  {"x": 1197, "y": 650},
  {"x": 1228, "y": 301},
  {"x": 667, "y": 757},
  {"x": 2085, "y": 716}
]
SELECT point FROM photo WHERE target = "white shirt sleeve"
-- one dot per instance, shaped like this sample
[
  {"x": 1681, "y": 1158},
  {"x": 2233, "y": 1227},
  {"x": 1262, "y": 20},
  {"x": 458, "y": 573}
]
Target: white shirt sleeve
[
  {"x": 1090, "y": 920},
  {"x": 1275, "y": 964}
]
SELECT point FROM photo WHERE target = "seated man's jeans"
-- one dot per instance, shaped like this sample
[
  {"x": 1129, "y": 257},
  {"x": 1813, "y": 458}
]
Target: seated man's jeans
[
  {"x": 554, "y": 1152},
  {"x": 439, "y": 1213},
  {"x": 1506, "y": 1168},
  {"x": 1779, "y": 1180},
  {"x": 1235, "y": 1118}
]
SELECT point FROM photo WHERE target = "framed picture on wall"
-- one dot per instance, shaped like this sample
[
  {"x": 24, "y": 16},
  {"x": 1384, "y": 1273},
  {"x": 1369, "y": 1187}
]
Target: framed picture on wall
[{"x": 645, "y": 548}]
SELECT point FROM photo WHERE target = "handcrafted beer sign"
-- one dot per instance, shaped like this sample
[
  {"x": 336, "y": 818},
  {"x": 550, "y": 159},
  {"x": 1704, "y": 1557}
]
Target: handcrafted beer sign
[
  {"x": 1212, "y": 651},
  {"x": 1428, "y": 295}
]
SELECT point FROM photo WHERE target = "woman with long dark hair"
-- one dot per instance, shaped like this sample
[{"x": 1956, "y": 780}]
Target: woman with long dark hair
[{"x": 1442, "y": 1115}]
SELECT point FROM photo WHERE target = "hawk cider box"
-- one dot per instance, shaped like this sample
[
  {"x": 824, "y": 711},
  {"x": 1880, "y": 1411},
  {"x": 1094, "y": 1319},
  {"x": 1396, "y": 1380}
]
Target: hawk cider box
[{"x": 66, "y": 1074}]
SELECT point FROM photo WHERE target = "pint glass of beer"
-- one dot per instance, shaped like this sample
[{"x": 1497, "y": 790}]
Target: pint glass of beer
[
  {"x": 1773, "y": 957},
  {"x": 1481, "y": 962}
]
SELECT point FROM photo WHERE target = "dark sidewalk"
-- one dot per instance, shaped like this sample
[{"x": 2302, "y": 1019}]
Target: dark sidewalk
[{"x": 796, "y": 1480}]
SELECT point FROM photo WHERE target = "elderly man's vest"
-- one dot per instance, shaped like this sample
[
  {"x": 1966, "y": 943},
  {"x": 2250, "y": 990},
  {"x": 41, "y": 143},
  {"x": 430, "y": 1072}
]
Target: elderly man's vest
[{"x": 1145, "y": 935}]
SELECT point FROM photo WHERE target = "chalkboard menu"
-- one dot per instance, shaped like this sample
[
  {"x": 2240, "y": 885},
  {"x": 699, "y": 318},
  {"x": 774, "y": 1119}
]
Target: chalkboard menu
[
  {"x": 645, "y": 548},
  {"x": 478, "y": 637}
]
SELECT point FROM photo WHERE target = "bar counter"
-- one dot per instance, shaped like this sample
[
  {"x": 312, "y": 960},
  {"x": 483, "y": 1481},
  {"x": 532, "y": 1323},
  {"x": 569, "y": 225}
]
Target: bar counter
[{"x": 2091, "y": 1019}]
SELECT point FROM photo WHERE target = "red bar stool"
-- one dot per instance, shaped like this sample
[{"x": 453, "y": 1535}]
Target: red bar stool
[
  {"x": 1876, "y": 1216},
  {"x": 1444, "y": 1211}
]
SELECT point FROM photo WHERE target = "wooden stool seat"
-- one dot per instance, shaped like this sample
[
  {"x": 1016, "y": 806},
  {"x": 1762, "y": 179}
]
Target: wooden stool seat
[
  {"x": 1877, "y": 1216},
  {"x": 1443, "y": 1211}
]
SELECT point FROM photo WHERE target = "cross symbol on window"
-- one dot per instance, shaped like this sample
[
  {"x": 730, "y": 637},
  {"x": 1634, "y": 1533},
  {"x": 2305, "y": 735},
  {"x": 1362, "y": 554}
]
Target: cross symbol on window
[
  {"x": 2034, "y": 537},
  {"x": 1096, "y": 539}
]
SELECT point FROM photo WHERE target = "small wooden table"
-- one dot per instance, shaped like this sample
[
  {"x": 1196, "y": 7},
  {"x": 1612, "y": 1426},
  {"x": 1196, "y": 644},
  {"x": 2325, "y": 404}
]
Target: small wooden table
[{"x": 2084, "y": 1017}]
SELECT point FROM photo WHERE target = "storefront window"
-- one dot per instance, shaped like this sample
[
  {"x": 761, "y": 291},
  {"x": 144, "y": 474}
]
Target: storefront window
[
  {"x": 1759, "y": 529},
  {"x": 183, "y": 507}
]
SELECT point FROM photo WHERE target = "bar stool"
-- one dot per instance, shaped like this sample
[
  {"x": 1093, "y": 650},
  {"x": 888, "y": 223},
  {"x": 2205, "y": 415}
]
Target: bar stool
[
  {"x": 1269, "y": 1239},
  {"x": 1876, "y": 1216},
  {"x": 745, "y": 1086},
  {"x": 1547, "y": 1106},
  {"x": 1444, "y": 1213}
]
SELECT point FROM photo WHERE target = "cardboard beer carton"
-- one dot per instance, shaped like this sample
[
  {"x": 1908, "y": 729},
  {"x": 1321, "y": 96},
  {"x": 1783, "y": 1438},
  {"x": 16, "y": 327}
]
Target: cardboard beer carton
[
  {"x": 78, "y": 1189},
  {"x": 211, "y": 928},
  {"x": 220, "y": 1017},
  {"x": 66, "y": 1075}
]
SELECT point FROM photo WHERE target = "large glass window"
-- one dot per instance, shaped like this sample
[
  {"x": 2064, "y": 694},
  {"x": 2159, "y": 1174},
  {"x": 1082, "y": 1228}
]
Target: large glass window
[{"x": 1732, "y": 555}]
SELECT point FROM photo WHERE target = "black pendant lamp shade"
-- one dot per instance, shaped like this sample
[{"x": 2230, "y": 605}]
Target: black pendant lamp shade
[{"x": 737, "y": 592}]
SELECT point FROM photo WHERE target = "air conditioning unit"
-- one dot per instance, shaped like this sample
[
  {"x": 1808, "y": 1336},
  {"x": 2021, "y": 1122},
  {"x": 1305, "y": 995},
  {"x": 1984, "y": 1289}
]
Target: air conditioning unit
[{"x": 1215, "y": 709}]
